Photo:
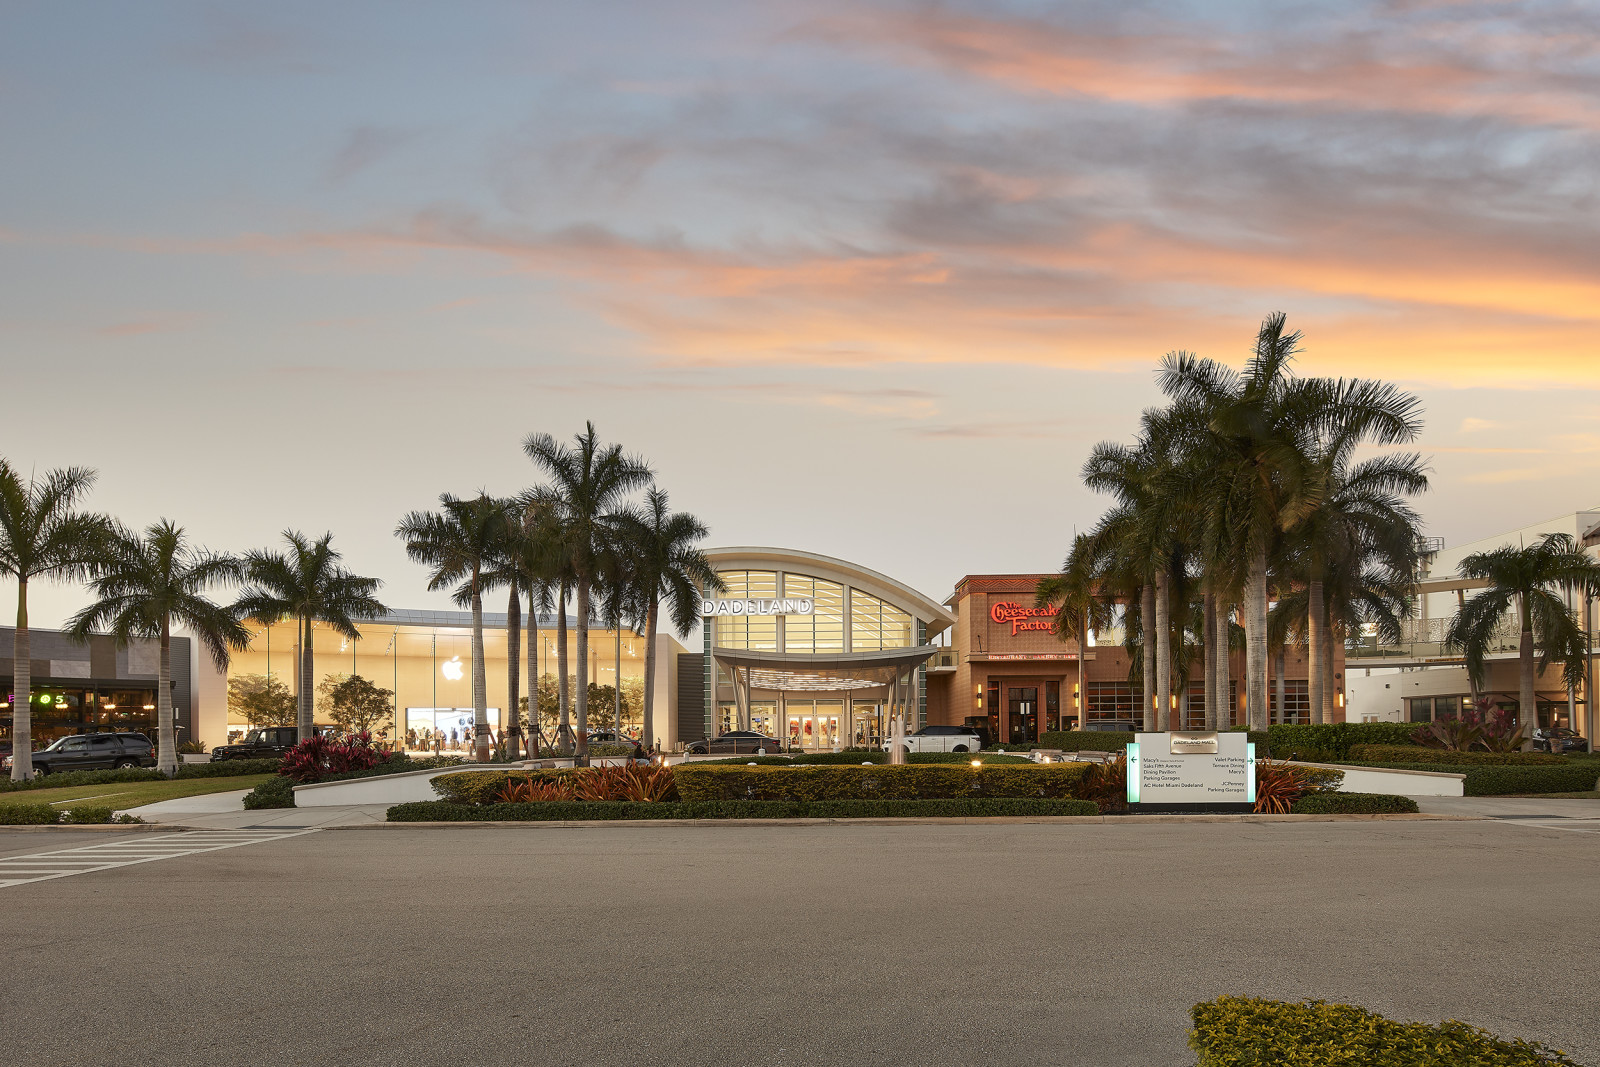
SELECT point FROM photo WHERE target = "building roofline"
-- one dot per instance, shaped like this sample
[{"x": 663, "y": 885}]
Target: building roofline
[{"x": 926, "y": 608}]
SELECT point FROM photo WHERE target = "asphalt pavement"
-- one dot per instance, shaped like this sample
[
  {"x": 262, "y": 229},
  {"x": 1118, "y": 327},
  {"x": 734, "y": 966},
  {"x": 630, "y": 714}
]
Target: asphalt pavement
[{"x": 825, "y": 944}]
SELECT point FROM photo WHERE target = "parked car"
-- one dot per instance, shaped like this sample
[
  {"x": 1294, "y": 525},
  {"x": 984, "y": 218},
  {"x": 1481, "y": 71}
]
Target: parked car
[
  {"x": 1109, "y": 727},
  {"x": 264, "y": 742},
  {"x": 610, "y": 737},
  {"x": 1558, "y": 739},
  {"x": 93, "y": 752},
  {"x": 736, "y": 743},
  {"x": 941, "y": 739}
]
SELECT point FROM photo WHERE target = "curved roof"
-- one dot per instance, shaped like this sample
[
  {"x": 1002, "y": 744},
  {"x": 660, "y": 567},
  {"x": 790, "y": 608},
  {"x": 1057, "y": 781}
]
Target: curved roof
[{"x": 902, "y": 596}]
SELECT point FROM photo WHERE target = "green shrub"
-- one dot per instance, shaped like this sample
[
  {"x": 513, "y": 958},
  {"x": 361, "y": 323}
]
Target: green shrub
[
  {"x": 1248, "y": 1032},
  {"x": 229, "y": 768},
  {"x": 561, "y": 810},
  {"x": 87, "y": 813},
  {"x": 1081, "y": 740},
  {"x": 1418, "y": 754},
  {"x": 856, "y": 759},
  {"x": 1492, "y": 781},
  {"x": 273, "y": 793},
  {"x": 73, "y": 778},
  {"x": 909, "y": 782},
  {"x": 1353, "y": 804},
  {"x": 28, "y": 815},
  {"x": 609, "y": 749},
  {"x": 1327, "y": 742}
]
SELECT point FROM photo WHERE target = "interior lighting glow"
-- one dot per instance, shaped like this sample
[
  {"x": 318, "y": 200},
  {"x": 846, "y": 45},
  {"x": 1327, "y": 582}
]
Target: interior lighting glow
[
  {"x": 977, "y": 763},
  {"x": 149, "y": 707}
]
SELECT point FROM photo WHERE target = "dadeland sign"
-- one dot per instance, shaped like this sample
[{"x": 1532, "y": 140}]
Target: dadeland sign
[{"x": 794, "y": 605}]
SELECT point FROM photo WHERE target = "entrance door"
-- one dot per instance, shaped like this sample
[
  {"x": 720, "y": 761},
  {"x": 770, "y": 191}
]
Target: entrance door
[
  {"x": 1022, "y": 707},
  {"x": 866, "y": 725}
]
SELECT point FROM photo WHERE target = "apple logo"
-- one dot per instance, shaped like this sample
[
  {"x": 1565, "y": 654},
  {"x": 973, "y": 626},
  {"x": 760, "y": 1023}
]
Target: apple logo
[{"x": 452, "y": 668}]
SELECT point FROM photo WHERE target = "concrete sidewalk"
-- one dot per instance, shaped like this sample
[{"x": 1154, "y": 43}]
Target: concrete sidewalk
[
  {"x": 225, "y": 811},
  {"x": 1511, "y": 807}
]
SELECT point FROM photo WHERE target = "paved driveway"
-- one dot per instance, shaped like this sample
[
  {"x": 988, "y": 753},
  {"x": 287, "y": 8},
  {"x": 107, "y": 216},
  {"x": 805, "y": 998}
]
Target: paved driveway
[{"x": 840, "y": 944}]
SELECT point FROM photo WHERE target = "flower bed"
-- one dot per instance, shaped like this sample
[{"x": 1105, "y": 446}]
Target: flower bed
[{"x": 562, "y": 811}]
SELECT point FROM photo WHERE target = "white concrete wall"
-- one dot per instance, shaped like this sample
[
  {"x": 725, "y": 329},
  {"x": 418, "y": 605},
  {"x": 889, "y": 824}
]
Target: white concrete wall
[
  {"x": 1397, "y": 782},
  {"x": 1372, "y": 694},
  {"x": 1448, "y": 561},
  {"x": 209, "y": 687}
]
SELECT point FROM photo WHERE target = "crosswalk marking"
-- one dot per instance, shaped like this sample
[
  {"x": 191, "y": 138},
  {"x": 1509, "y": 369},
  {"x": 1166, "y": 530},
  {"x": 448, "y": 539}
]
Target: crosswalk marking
[{"x": 43, "y": 866}]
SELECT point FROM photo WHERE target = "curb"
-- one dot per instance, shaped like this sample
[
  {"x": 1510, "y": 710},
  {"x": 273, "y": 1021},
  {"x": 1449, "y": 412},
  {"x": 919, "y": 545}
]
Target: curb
[
  {"x": 92, "y": 828},
  {"x": 977, "y": 820}
]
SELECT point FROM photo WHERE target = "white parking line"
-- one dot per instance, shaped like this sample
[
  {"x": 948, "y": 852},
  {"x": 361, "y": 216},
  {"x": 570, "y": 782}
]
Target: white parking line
[{"x": 43, "y": 866}]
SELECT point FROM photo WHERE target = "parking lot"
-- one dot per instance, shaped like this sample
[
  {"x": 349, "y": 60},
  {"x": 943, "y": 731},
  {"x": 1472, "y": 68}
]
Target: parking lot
[{"x": 834, "y": 944}]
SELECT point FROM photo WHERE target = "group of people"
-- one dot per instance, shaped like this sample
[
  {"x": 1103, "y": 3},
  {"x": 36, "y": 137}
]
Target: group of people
[{"x": 438, "y": 739}]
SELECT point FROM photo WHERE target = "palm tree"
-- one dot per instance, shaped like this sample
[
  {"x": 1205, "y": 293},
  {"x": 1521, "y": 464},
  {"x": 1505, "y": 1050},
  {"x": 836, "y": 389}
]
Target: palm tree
[
  {"x": 42, "y": 535},
  {"x": 666, "y": 566},
  {"x": 589, "y": 483},
  {"x": 1257, "y": 433},
  {"x": 1525, "y": 580},
  {"x": 307, "y": 584},
  {"x": 463, "y": 542},
  {"x": 145, "y": 584},
  {"x": 538, "y": 558}
]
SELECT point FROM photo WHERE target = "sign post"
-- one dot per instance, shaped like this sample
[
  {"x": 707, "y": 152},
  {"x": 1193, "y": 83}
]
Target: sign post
[{"x": 1193, "y": 771}]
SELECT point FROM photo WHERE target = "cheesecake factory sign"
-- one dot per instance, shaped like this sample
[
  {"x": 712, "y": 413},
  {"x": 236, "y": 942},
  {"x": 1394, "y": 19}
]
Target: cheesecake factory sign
[
  {"x": 1021, "y": 618},
  {"x": 792, "y": 605}
]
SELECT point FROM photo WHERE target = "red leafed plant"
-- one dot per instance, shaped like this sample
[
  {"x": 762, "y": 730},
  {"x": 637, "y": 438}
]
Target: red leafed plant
[
  {"x": 1279, "y": 785},
  {"x": 317, "y": 757},
  {"x": 595, "y": 783},
  {"x": 1106, "y": 784}
]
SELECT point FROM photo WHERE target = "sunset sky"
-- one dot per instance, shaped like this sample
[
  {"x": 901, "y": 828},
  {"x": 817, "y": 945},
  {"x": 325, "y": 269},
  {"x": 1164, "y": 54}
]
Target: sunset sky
[{"x": 865, "y": 279}]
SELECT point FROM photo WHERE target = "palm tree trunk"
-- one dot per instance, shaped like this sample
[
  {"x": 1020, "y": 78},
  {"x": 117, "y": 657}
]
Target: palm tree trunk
[
  {"x": 1314, "y": 643},
  {"x": 1163, "y": 650},
  {"x": 511, "y": 721},
  {"x": 616, "y": 689},
  {"x": 1147, "y": 619},
  {"x": 1224, "y": 664},
  {"x": 533, "y": 675},
  {"x": 582, "y": 696},
  {"x": 1330, "y": 688},
  {"x": 1282, "y": 686},
  {"x": 1255, "y": 664},
  {"x": 1527, "y": 705},
  {"x": 480, "y": 681},
  {"x": 651, "y": 619},
  {"x": 1208, "y": 660},
  {"x": 22, "y": 692},
  {"x": 167, "y": 743},
  {"x": 307, "y": 718},
  {"x": 563, "y": 685}
]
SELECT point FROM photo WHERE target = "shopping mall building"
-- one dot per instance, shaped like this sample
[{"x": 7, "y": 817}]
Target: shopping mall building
[{"x": 815, "y": 650}]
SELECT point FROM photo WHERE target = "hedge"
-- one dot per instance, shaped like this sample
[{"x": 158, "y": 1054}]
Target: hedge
[
  {"x": 1331, "y": 741},
  {"x": 1090, "y": 740},
  {"x": 1353, "y": 804},
  {"x": 225, "y": 769},
  {"x": 1248, "y": 1032},
  {"x": 230, "y": 768},
  {"x": 577, "y": 810},
  {"x": 856, "y": 759},
  {"x": 273, "y": 793},
  {"x": 45, "y": 815},
  {"x": 909, "y": 782},
  {"x": 1492, "y": 781},
  {"x": 1419, "y": 754}
]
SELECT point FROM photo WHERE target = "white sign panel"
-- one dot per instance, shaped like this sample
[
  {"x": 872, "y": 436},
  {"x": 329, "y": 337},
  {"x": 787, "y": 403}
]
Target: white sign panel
[
  {"x": 794, "y": 605},
  {"x": 1161, "y": 771}
]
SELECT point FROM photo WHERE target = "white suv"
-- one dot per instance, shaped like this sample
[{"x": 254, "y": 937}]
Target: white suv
[{"x": 941, "y": 739}]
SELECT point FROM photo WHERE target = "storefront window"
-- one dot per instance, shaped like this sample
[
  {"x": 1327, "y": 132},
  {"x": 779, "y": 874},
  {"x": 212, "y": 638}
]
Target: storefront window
[
  {"x": 1052, "y": 705},
  {"x": 759, "y": 633},
  {"x": 1111, "y": 702},
  {"x": 876, "y": 625},
  {"x": 1296, "y": 701}
]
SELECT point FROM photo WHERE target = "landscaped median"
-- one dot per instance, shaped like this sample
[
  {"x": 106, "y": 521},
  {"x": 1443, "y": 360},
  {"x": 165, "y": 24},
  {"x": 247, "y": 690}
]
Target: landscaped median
[
  {"x": 1249, "y": 1032},
  {"x": 611, "y": 810}
]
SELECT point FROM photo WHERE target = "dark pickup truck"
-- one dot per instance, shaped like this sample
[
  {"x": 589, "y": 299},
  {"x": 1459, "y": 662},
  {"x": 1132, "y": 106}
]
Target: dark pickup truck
[{"x": 265, "y": 742}]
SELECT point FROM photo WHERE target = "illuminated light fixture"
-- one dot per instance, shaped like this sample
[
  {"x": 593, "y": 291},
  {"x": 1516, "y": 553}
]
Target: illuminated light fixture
[
  {"x": 149, "y": 707},
  {"x": 1338, "y": 699},
  {"x": 111, "y": 707},
  {"x": 61, "y": 703},
  {"x": 977, "y": 763}
]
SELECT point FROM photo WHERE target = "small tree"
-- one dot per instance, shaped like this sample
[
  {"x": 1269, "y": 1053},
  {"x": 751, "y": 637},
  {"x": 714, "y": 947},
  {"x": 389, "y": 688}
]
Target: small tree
[
  {"x": 356, "y": 705},
  {"x": 260, "y": 700}
]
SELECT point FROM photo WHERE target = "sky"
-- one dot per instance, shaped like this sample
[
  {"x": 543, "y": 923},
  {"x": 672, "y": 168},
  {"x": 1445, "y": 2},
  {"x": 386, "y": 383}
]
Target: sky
[{"x": 859, "y": 278}]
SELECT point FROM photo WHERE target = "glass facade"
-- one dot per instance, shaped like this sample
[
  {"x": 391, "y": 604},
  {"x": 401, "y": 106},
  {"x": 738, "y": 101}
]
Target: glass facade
[
  {"x": 821, "y": 631},
  {"x": 757, "y": 633},
  {"x": 60, "y": 711},
  {"x": 876, "y": 625}
]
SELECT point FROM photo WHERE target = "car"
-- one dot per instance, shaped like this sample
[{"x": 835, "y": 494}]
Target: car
[
  {"x": 736, "y": 743},
  {"x": 1109, "y": 726},
  {"x": 1558, "y": 739},
  {"x": 264, "y": 742},
  {"x": 91, "y": 752},
  {"x": 610, "y": 737},
  {"x": 941, "y": 739}
]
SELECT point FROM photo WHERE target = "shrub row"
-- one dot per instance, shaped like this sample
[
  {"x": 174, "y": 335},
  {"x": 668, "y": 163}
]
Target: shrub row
[
  {"x": 1081, "y": 740},
  {"x": 1241, "y": 1031},
  {"x": 856, "y": 759},
  {"x": 1419, "y": 754},
  {"x": 1353, "y": 804},
  {"x": 272, "y": 793},
  {"x": 45, "y": 815},
  {"x": 560, "y": 810},
  {"x": 1331, "y": 741},
  {"x": 225, "y": 769},
  {"x": 909, "y": 782},
  {"x": 1492, "y": 781}
]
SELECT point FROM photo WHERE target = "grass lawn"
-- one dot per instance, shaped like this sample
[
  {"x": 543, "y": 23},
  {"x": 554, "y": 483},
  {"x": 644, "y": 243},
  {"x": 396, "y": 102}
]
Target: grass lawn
[{"x": 133, "y": 794}]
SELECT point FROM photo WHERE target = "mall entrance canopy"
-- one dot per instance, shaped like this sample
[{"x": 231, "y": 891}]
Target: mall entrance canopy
[{"x": 892, "y": 672}]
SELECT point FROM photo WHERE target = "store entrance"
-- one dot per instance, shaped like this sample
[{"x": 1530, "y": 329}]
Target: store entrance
[
  {"x": 813, "y": 727},
  {"x": 866, "y": 724},
  {"x": 1022, "y": 705}
]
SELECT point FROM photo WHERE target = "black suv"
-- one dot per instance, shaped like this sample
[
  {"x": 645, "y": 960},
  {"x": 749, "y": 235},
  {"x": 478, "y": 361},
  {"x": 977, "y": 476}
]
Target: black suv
[
  {"x": 265, "y": 742},
  {"x": 92, "y": 752}
]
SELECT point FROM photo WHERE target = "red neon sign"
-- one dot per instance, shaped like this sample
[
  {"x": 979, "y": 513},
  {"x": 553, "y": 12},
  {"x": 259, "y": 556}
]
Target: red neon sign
[{"x": 1022, "y": 618}]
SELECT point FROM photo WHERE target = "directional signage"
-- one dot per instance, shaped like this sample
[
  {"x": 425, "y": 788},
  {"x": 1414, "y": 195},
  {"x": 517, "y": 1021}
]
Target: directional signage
[{"x": 1192, "y": 770}]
